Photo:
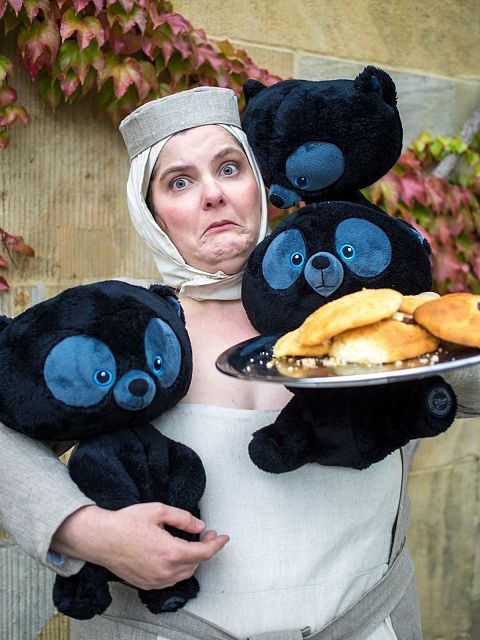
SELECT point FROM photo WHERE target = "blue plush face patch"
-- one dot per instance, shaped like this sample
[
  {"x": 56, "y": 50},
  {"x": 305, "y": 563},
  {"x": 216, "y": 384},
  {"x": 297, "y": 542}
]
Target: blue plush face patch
[
  {"x": 284, "y": 259},
  {"x": 363, "y": 247},
  {"x": 80, "y": 371},
  {"x": 163, "y": 352},
  {"x": 360, "y": 246},
  {"x": 314, "y": 166}
]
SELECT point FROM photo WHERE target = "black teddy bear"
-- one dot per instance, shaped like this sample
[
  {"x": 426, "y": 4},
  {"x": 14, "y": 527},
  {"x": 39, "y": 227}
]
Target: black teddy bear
[
  {"x": 318, "y": 254},
  {"x": 323, "y": 140},
  {"x": 320, "y": 142},
  {"x": 98, "y": 363}
]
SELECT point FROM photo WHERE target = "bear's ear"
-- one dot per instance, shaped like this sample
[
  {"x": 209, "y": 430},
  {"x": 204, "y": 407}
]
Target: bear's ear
[
  {"x": 374, "y": 79},
  {"x": 251, "y": 88},
  {"x": 419, "y": 235},
  {"x": 4, "y": 322},
  {"x": 169, "y": 295}
]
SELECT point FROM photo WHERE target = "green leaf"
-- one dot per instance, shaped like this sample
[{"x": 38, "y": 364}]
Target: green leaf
[{"x": 49, "y": 91}]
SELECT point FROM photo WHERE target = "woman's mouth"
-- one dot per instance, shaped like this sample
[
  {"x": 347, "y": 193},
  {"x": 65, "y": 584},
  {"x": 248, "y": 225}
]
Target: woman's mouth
[{"x": 220, "y": 225}]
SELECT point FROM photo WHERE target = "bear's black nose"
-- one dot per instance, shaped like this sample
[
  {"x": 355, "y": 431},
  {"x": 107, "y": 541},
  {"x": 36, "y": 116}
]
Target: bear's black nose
[
  {"x": 320, "y": 262},
  {"x": 138, "y": 387},
  {"x": 277, "y": 201}
]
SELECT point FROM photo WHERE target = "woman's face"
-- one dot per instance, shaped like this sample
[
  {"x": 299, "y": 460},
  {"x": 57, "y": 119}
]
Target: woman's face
[{"x": 205, "y": 197}]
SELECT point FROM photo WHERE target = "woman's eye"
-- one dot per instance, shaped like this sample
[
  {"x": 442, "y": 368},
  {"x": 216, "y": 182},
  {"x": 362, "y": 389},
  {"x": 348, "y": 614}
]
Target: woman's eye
[
  {"x": 178, "y": 184},
  {"x": 347, "y": 251},
  {"x": 229, "y": 169}
]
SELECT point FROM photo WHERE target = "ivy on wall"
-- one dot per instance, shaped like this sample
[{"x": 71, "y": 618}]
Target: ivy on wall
[{"x": 126, "y": 51}]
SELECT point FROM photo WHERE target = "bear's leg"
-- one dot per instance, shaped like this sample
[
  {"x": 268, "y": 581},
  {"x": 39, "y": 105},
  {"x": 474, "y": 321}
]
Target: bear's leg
[
  {"x": 287, "y": 444},
  {"x": 171, "y": 598},
  {"x": 84, "y": 594}
]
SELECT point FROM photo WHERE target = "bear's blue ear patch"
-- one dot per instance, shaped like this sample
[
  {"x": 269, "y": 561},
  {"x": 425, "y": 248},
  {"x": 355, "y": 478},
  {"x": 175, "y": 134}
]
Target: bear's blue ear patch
[
  {"x": 284, "y": 259},
  {"x": 377, "y": 80}
]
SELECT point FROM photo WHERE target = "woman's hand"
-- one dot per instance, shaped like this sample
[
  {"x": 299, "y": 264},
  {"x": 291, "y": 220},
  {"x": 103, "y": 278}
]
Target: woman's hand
[{"x": 133, "y": 543}]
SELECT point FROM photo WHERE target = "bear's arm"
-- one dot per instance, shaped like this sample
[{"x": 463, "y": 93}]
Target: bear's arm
[
  {"x": 466, "y": 384},
  {"x": 36, "y": 496}
]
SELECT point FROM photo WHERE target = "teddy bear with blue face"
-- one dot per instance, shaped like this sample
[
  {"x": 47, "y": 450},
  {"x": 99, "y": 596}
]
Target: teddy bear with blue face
[
  {"x": 320, "y": 142},
  {"x": 318, "y": 254},
  {"x": 323, "y": 140},
  {"x": 96, "y": 364}
]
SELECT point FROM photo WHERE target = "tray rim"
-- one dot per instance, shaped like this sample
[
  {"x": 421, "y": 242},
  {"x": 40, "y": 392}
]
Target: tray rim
[{"x": 398, "y": 374}]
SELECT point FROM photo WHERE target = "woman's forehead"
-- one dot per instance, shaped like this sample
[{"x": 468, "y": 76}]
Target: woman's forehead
[{"x": 202, "y": 140}]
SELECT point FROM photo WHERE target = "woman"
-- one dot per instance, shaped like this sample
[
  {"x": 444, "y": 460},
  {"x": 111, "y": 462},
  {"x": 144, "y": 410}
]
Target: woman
[{"x": 304, "y": 546}]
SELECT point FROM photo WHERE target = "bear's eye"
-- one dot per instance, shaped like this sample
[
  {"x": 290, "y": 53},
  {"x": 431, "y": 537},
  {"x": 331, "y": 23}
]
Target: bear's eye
[
  {"x": 297, "y": 259},
  {"x": 301, "y": 182},
  {"x": 347, "y": 251},
  {"x": 102, "y": 377},
  {"x": 157, "y": 364}
]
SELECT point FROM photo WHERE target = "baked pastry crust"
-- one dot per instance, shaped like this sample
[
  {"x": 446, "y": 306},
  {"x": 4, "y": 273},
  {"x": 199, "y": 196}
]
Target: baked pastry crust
[
  {"x": 454, "y": 317},
  {"x": 353, "y": 310},
  {"x": 382, "y": 342}
]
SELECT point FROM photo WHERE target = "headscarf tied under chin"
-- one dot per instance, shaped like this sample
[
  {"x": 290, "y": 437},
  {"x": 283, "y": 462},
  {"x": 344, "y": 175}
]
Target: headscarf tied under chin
[{"x": 145, "y": 132}]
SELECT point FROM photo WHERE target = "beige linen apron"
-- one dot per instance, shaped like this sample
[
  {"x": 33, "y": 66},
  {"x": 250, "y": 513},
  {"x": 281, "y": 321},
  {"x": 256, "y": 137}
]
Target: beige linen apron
[{"x": 312, "y": 548}]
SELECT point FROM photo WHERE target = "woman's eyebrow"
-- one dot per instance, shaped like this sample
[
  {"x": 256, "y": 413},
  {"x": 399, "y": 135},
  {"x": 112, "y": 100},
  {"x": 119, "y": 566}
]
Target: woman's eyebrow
[
  {"x": 226, "y": 151},
  {"x": 175, "y": 168}
]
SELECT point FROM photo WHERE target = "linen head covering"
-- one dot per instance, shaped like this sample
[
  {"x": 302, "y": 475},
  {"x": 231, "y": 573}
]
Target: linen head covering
[{"x": 145, "y": 132}]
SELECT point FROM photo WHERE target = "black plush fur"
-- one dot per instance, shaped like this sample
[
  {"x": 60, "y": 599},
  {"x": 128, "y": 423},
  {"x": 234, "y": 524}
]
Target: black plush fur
[
  {"x": 347, "y": 427},
  {"x": 138, "y": 337},
  {"x": 359, "y": 117}
]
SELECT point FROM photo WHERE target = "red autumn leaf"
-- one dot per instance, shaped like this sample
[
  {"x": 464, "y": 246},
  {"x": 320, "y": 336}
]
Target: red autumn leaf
[
  {"x": 6, "y": 68},
  {"x": 81, "y": 4},
  {"x": 69, "y": 82},
  {"x": 206, "y": 53},
  {"x": 435, "y": 189},
  {"x": 86, "y": 28},
  {"x": 127, "y": 20},
  {"x": 8, "y": 95},
  {"x": 12, "y": 113},
  {"x": 411, "y": 189},
  {"x": 16, "y": 5},
  {"x": 39, "y": 45},
  {"x": 21, "y": 247},
  {"x": 123, "y": 72},
  {"x": 34, "y": 7},
  {"x": 4, "y": 286},
  {"x": 175, "y": 21}
]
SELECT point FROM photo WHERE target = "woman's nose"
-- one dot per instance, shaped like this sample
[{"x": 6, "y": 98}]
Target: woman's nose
[{"x": 213, "y": 195}]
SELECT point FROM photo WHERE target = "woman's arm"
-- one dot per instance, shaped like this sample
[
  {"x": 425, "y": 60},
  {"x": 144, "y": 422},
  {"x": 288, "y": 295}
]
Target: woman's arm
[
  {"x": 36, "y": 495},
  {"x": 133, "y": 543},
  {"x": 43, "y": 510}
]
